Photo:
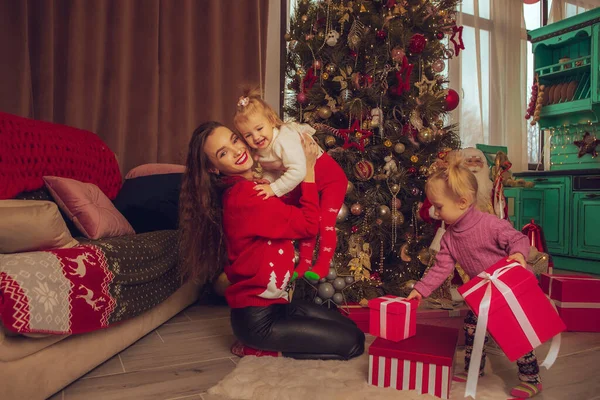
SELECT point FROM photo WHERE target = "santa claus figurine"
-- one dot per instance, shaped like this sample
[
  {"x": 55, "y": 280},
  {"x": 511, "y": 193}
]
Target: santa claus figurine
[{"x": 475, "y": 161}]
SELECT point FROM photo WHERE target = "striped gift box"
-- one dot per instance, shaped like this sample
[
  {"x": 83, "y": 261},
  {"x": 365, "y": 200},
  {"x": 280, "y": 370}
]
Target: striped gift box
[{"x": 422, "y": 363}]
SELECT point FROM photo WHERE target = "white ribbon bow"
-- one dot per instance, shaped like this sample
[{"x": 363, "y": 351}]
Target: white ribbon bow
[
  {"x": 383, "y": 315},
  {"x": 482, "y": 319}
]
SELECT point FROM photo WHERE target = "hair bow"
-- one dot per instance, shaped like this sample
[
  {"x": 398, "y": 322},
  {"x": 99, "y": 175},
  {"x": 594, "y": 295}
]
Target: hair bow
[{"x": 243, "y": 101}]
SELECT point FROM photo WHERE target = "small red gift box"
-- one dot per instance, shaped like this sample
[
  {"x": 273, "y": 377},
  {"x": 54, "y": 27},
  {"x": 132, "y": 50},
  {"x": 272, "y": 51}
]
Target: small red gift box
[
  {"x": 422, "y": 363},
  {"x": 393, "y": 318},
  {"x": 520, "y": 316},
  {"x": 577, "y": 298},
  {"x": 358, "y": 314}
]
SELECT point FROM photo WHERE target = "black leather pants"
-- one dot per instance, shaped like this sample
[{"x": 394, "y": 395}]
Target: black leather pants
[{"x": 298, "y": 330}]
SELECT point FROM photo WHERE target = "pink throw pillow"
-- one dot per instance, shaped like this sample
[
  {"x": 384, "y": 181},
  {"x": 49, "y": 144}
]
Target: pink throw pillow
[
  {"x": 89, "y": 209},
  {"x": 155, "y": 169}
]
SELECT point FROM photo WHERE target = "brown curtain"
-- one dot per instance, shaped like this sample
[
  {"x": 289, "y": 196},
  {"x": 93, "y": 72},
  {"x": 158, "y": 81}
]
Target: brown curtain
[{"x": 142, "y": 74}]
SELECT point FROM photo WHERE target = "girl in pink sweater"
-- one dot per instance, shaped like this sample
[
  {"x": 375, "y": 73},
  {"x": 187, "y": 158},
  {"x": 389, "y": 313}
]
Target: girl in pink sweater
[{"x": 475, "y": 240}]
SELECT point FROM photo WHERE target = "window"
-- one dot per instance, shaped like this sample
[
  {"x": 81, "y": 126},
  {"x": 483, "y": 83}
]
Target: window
[{"x": 533, "y": 16}]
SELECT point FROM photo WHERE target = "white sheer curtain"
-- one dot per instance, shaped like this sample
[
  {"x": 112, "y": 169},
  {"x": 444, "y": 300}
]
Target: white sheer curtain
[
  {"x": 561, "y": 9},
  {"x": 508, "y": 94},
  {"x": 491, "y": 75}
]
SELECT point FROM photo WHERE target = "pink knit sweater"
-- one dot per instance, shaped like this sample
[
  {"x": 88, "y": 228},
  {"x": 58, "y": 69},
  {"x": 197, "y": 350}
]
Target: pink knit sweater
[{"x": 476, "y": 241}]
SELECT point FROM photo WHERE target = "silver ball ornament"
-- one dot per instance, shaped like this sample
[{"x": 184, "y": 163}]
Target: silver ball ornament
[
  {"x": 324, "y": 112},
  {"x": 342, "y": 214},
  {"x": 338, "y": 298},
  {"x": 425, "y": 135},
  {"x": 318, "y": 301},
  {"x": 349, "y": 279},
  {"x": 339, "y": 283},
  {"x": 325, "y": 290},
  {"x": 399, "y": 148},
  {"x": 356, "y": 209},
  {"x": 438, "y": 65},
  {"x": 398, "y": 218},
  {"x": 383, "y": 212},
  {"x": 331, "y": 275},
  {"x": 350, "y": 187}
]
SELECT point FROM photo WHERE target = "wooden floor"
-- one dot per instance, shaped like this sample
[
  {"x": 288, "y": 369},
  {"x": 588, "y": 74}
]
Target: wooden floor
[{"x": 190, "y": 353}]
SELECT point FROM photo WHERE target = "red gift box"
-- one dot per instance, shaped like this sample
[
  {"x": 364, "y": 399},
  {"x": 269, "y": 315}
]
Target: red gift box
[
  {"x": 423, "y": 362},
  {"x": 393, "y": 318},
  {"x": 448, "y": 318},
  {"x": 358, "y": 314},
  {"x": 521, "y": 297},
  {"x": 577, "y": 298}
]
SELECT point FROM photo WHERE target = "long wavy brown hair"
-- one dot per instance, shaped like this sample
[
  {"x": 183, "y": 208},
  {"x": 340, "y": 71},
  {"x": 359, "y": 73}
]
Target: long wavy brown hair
[{"x": 201, "y": 245}]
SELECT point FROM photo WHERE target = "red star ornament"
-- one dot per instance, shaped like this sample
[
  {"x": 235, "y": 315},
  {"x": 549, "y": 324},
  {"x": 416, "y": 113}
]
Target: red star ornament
[
  {"x": 355, "y": 136},
  {"x": 460, "y": 45},
  {"x": 587, "y": 145}
]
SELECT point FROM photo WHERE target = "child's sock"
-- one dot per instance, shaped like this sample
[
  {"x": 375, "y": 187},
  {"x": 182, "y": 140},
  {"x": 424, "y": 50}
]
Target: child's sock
[
  {"x": 241, "y": 350},
  {"x": 462, "y": 376},
  {"x": 526, "y": 390}
]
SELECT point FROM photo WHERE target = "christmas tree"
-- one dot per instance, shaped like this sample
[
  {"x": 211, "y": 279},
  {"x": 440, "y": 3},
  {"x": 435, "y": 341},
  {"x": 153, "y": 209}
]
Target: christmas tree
[{"x": 368, "y": 75}]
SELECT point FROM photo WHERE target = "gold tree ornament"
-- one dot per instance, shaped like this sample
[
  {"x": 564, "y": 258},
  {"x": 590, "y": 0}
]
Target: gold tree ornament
[
  {"x": 360, "y": 265},
  {"x": 425, "y": 86}
]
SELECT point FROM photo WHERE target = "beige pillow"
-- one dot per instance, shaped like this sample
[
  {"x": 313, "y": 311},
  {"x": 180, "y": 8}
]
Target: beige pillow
[{"x": 29, "y": 225}]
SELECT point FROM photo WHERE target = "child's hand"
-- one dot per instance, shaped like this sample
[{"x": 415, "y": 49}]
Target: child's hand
[
  {"x": 414, "y": 295},
  {"x": 265, "y": 191},
  {"x": 262, "y": 181},
  {"x": 519, "y": 258}
]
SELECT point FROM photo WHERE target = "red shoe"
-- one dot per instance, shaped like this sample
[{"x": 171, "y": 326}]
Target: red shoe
[{"x": 241, "y": 350}]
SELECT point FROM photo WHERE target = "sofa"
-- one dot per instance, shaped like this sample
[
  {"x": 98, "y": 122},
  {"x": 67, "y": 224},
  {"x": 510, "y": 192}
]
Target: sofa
[{"x": 78, "y": 285}]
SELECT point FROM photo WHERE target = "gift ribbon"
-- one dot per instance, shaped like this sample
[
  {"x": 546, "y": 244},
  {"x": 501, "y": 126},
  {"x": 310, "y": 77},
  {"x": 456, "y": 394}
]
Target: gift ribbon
[
  {"x": 575, "y": 304},
  {"x": 383, "y": 315},
  {"x": 482, "y": 319}
]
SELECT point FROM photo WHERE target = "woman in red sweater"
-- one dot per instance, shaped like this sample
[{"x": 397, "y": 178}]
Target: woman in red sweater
[{"x": 220, "y": 208}]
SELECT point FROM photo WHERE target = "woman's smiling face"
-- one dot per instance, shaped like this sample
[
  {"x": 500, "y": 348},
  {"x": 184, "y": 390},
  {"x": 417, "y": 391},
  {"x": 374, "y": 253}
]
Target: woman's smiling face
[{"x": 227, "y": 152}]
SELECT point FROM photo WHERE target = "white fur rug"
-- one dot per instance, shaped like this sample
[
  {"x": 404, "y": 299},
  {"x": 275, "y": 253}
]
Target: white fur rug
[{"x": 268, "y": 378}]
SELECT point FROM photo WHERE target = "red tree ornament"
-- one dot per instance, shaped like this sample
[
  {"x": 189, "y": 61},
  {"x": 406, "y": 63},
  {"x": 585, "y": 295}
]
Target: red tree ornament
[
  {"x": 417, "y": 43},
  {"x": 355, "y": 136},
  {"x": 452, "y": 100},
  {"x": 458, "y": 44},
  {"x": 364, "y": 170}
]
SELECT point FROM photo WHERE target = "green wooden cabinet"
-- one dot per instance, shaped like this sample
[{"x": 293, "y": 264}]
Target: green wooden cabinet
[
  {"x": 586, "y": 223},
  {"x": 567, "y": 207},
  {"x": 566, "y": 62},
  {"x": 556, "y": 206},
  {"x": 524, "y": 206}
]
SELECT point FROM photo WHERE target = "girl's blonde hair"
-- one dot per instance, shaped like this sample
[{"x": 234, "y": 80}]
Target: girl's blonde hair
[
  {"x": 459, "y": 181},
  {"x": 250, "y": 103}
]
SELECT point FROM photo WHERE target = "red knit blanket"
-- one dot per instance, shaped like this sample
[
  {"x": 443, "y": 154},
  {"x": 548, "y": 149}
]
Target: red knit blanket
[
  {"x": 31, "y": 149},
  {"x": 61, "y": 292}
]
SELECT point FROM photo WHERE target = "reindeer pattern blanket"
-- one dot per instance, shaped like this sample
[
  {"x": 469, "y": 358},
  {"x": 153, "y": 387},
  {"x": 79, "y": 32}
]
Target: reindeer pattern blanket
[{"x": 88, "y": 287}]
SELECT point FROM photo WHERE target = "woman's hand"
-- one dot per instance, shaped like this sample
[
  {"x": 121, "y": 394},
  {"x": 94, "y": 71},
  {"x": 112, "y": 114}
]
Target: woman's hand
[
  {"x": 311, "y": 151},
  {"x": 414, "y": 295}
]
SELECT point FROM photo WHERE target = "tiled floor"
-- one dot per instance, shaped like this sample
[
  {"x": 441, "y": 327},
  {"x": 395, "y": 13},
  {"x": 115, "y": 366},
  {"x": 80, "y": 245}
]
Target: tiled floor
[{"x": 190, "y": 353}]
